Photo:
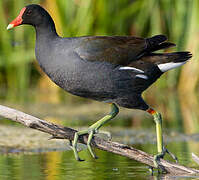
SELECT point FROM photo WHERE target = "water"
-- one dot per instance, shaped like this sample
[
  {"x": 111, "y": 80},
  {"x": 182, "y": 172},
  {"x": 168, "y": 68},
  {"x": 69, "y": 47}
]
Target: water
[
  {"x": 61, "y": 165},
  {"x": 58, "y": 165},
  {"x": 27, "y": 154}
]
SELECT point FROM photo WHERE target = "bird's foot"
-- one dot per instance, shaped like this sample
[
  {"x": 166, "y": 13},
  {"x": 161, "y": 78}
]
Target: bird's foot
[
  {"x": 91, "y": 131},
  {"x": 159, "y": 156},
  {"x": 156, "y": 161}
]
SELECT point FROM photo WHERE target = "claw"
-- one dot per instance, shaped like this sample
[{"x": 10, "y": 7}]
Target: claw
[
  {"x": 80, "y": 160},
  {"x": 76, "y": 154},
  {"x": 151, "y": 170},
  {"x": 70, "y": 143},
  {"x": 172, "y": 155}
]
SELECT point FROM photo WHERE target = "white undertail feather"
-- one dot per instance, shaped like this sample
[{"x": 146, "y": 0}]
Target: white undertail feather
[
  {"x": 142, "y": 76},
  {"x": 131, "y": 68},
  {"x": 171, "y": 65}
]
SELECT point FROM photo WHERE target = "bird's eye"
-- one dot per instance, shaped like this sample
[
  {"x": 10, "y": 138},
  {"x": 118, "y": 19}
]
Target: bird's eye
[{"x": 29, "y": 12}]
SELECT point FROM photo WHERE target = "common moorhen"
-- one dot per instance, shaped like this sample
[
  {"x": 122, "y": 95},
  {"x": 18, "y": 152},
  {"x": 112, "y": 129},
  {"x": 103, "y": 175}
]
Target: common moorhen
[{"x": 111, "y": 69}]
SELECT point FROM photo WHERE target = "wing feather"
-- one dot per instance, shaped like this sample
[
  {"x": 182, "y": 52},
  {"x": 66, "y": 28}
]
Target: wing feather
[{"x": 120, "y": 50}]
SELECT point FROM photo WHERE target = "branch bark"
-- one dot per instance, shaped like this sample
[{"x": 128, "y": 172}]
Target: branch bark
[{"x": 60, "y": 132}]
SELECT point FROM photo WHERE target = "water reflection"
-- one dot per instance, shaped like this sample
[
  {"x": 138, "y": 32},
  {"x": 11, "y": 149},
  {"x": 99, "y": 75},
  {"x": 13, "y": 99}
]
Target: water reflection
[{"x": 62, "y": 165}]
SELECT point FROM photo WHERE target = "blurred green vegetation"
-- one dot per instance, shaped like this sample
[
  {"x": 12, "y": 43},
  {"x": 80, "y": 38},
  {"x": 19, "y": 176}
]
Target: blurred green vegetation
[{"x": 175, "y": 94}]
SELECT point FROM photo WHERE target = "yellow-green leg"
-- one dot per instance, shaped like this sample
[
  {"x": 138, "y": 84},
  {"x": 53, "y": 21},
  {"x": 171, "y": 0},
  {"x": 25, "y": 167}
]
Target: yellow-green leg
[
  {"x": 93, "y": 129},
  {"x": 160, "y": 147}
]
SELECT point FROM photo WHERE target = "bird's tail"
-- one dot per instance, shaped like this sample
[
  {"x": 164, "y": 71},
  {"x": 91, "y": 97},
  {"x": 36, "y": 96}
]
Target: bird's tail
[
  {"x": 157, "y": 42},
  {"x": 167, "y": 61}
]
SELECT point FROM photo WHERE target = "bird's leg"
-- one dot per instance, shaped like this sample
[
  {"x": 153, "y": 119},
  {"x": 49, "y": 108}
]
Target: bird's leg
[
  {"x": 92, "y": 130},
  {"x": 160, "y": 147}
]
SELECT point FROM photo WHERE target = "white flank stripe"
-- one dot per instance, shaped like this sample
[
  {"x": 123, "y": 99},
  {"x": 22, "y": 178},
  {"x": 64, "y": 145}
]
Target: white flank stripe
[
  {"x": 167, "y": 66},
  {"x": 131, "y": 68},
  {"x": 141, "y": 76}
]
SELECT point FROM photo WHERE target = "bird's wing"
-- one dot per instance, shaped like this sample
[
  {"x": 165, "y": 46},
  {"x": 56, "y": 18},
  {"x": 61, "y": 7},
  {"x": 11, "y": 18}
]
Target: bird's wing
[
  {"x": 114, "y": 49},
  {"x": 120, "y": 50}
]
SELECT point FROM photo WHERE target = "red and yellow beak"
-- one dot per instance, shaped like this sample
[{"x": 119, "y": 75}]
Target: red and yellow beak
[{"x": 18, "y": 20}]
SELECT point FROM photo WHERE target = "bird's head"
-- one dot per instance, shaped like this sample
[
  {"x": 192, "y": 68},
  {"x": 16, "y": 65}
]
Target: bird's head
[{"x": 32, "y": 14}]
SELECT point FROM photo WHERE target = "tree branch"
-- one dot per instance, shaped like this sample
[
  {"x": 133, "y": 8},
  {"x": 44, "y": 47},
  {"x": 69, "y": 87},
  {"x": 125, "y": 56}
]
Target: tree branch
[{"x": 60, "y": 132}]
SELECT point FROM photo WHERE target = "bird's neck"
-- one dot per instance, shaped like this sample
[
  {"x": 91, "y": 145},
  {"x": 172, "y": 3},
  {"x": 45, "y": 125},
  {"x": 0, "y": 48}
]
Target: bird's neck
[
  {"x": 46, "y": 31},
  {"x": 46, "y": 35}
]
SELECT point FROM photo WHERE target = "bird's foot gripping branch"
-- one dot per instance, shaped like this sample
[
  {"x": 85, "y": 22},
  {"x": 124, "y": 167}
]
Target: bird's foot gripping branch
[
  {"x": 93, "y": 129},
  {"x": 60, "y": 132},
  {"x": 160, "y": 145}
]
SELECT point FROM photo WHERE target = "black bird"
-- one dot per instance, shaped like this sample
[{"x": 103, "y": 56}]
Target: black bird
[{"x": 112, "y": 69}]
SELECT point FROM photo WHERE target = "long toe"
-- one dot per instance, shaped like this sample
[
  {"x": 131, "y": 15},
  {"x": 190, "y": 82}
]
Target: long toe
[
  {"x": 76, "y": 154},
  {"x": 172, "y": 155},
  {"x": 90, "y": 136},
  {"x": 157, "y": 163},
  {"x": 76, "y": 137}
]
